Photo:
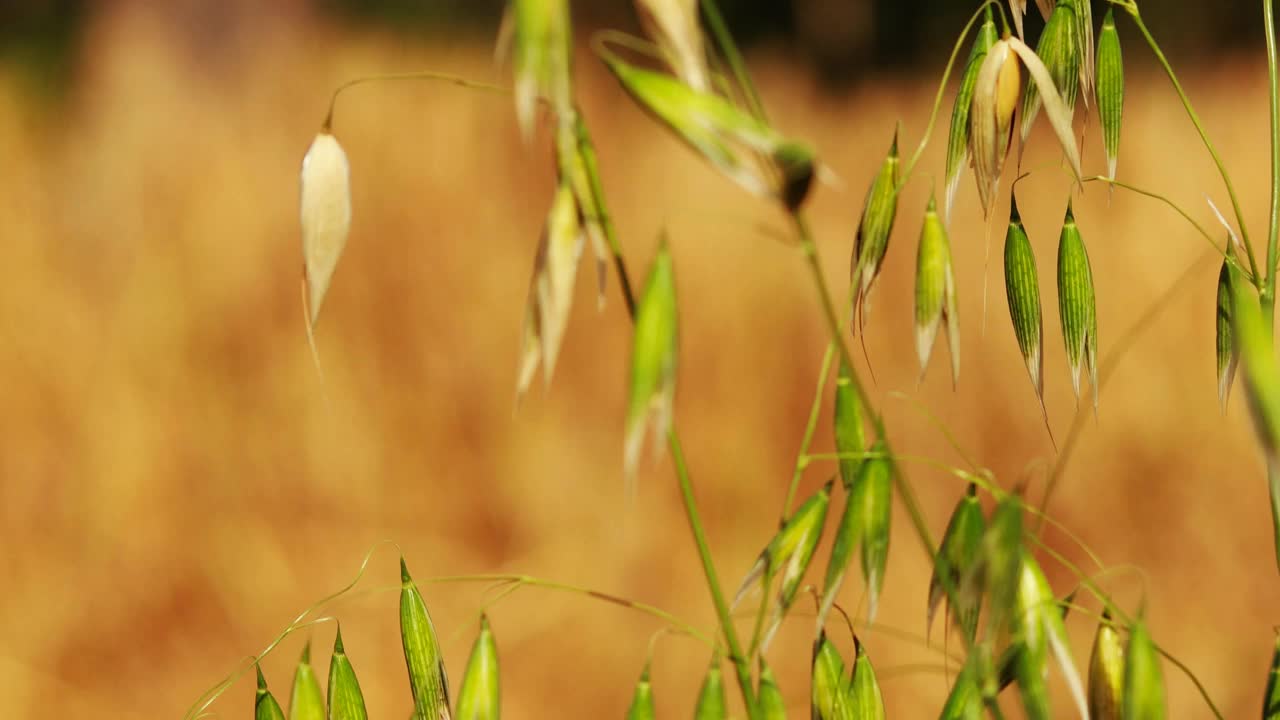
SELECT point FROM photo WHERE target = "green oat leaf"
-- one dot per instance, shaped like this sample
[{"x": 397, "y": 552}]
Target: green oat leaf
[
  {"x": 1106, "y": 672},
  {"x": 874, "y": 229},
  {"x": 265, "y": 706},
  {"x": 1077, "y": 304},
  {"x": 712, "y": 704},
  {"x": 1110, "y": 90},
  {"x": 346, "y": 702},
  {"x": 427, "y": 678},
  {"x": 935, "y": 292},
  {"x": 653, "y": 361},
  {"x": 480, "y": 696},
  {"x": 958, "y": 138},
  {"x": 960, "y": 549},
  {"x": 306, "y": 700},
  {"x": 1143, "y": 680},
  {"x": 1022, "y": 285}
]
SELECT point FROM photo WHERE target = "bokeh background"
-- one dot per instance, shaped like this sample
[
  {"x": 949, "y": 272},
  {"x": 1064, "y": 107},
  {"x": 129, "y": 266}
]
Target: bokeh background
[{"x": 176, "y": 485}]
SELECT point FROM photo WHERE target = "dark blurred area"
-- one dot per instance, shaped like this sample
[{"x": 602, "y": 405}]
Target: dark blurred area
[{"x": 841, "y": 39}]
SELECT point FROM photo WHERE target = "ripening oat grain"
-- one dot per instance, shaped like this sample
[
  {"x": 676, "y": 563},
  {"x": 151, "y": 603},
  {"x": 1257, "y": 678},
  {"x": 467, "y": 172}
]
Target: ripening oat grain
[
  {"x": 642, "y": 699},
  {"x": 1110, "y": 89},
  {"x": 872, "y": 240},
  {"x": 653, "y": 361},
  {"x": 1058, "y": 48},
  {"x": 961, "y": 544},
  {"x": 958, "y": 137},
  {"x": 1226, "y": 350},
  {"x": 1022, "y": 286},
  {"x": 935, "y": 292},
  {"x": 325, "y": 216},
  {"x": 792, "y": 551},
  {"x": 422, "y": 656},
  {"x": 1077, "y": 305},
  {"x": 712, "y": 704},
  {"x": 674, "y": 27},
  {"x": 480, "y": 696},
  {"x": 828, "y": 697},
  {"x": 543, "y": 39},
  {"x": 265, "y": 706},
  {"x": 550, "y": 299},
  {"x": 1106, "y": 672},
  {"x": 306, "y": 701},
  {"x": 1143, "y": 680},
  {"x": 346, "y": 702},
  {"x": 864, "y": 698},
  {"x": 769, "y": 695}
]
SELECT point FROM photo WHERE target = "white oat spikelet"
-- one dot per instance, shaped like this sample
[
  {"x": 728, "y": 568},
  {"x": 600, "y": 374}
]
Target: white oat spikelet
[{"x": 326, "y": 216}]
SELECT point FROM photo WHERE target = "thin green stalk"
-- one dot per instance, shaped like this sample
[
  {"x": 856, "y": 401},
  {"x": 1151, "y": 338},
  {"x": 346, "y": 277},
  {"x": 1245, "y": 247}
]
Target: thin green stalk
[
  {"x": 1273, "y": 485},
  {"x": 810, "y": 428},
  {"x": 1204, "y": 135},
  {"x": 417, "y": 75},
  {"x": 1268, "y": 295},
  {"x": 942, "y": 89},
  {"x": 728, "y": 48},
  {"x": 1176, "y": 208}
]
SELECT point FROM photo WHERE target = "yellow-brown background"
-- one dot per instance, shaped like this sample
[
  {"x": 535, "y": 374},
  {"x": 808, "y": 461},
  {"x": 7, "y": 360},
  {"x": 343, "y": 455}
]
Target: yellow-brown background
[{"x": 174, "y": 489}]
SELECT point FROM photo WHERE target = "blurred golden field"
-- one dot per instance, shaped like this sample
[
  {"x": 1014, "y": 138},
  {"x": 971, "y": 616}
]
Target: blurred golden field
[{"x": 174, "y": 487}]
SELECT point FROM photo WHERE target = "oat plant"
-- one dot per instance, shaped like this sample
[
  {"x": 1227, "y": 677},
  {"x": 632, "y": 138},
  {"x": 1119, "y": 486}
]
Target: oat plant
[{"x": 999, "y": 608}]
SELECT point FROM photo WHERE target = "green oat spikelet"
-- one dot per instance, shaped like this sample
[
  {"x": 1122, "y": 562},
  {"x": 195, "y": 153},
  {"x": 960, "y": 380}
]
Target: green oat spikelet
[
  {"x": 550, "y": 297},
  {"x": 1085, "y": 44},
  {"x": 1143, "y": 680},
  {"x": 792, "y": 551},
  {"x": 346, "y": 702},
  {"x": 999, "y": 568},
  {"x": 1022, "y": 285},
  {"x": 1106, "y": 672},
  {"x": 1252, "y": 341},
  {"x": 849, "y": 535},
  {"x": 772, "y": 705},
  {"x": 964, "y": 702},
  {"x": 875, "y": 491},
  {"x": 958, "y": 138},
  {"x": 1110, "y": 90},
  {"x": 480, "y": 696},
  {"x": 1077, "y": 305},
  {"x": 642, "y": 699},
  {"x": 1271, "y": 698},
  {"x": 1059, "y": 50},
  {"x": 827, "y": 700},
  {"x": 960, "y": 547},
  {"x": 728, "y": 138},
  {"x": 712, "y": 704},
  {"x": 1228, "y": 358},
  {"x": 653, "y": 361},
  {"x": 265, "y": 706},
  {"x": 306, "y": 700},
  {"x": 864, "y": 698},
  {"x": 872, "y": 241},
  {"x": 935, "y": 292},
  {"x": 850, "y": 426},
  {"x": 543, "y": 39},
  {"x": 427, "y": 678},
  {"x": 575, "y": 161},
  {"x": 1038, "y": 623}
]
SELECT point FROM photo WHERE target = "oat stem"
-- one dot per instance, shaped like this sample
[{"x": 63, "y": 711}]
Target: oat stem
[
  {"x": 1132, "y": 9},
  {"x": 814, "y": 412},
  {"x": 417, "y": 75},
  {"x": 1268, "y": 295}
]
